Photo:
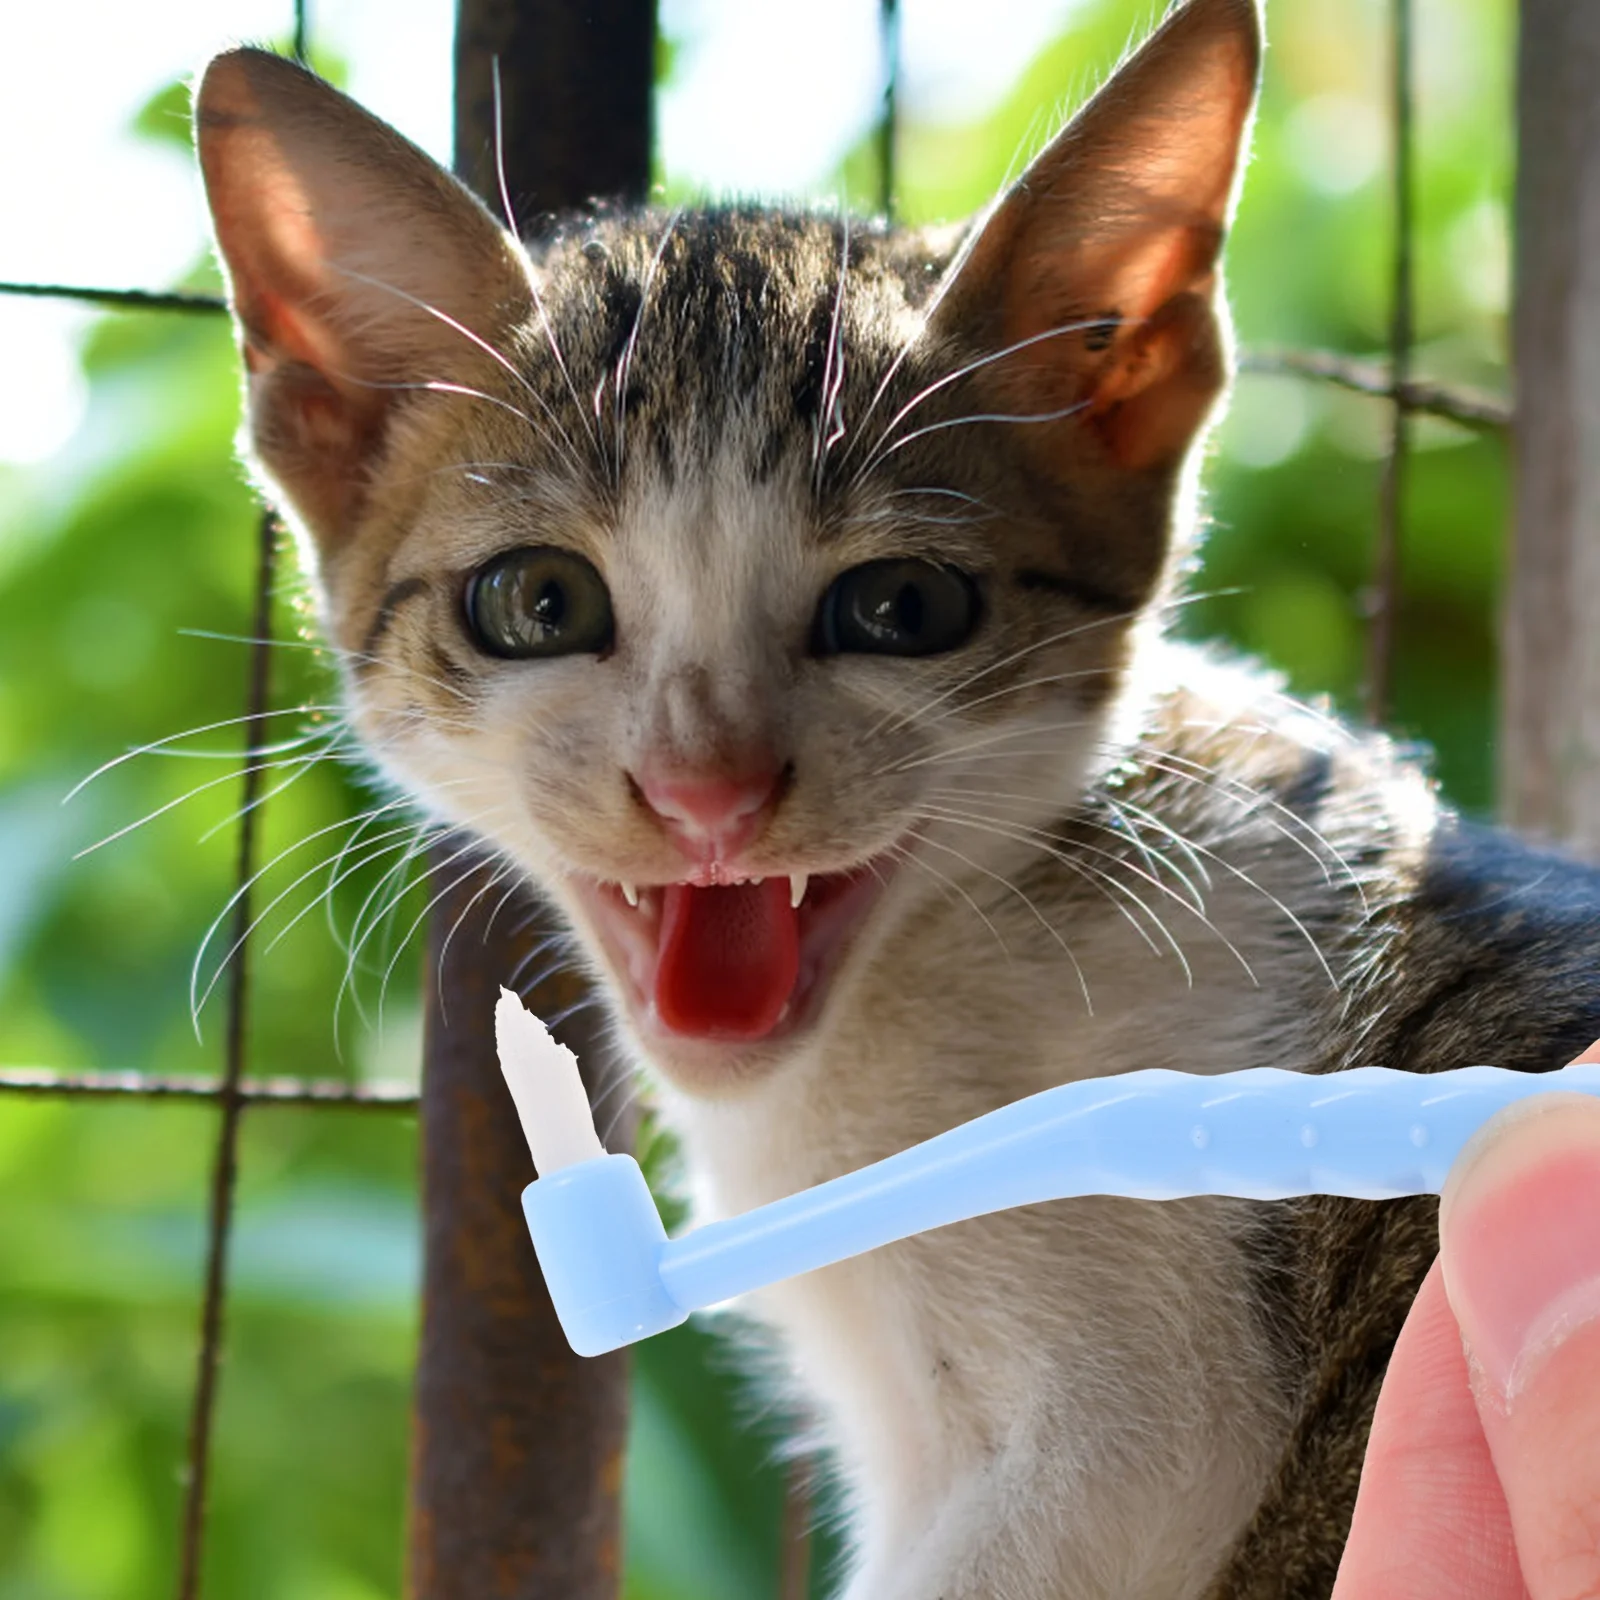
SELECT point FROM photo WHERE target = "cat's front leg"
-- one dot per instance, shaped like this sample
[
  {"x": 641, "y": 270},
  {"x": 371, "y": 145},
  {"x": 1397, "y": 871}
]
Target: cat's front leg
[
  {"x": 1023, "y": 1527},
  {"x": 989, "y": 1540}
]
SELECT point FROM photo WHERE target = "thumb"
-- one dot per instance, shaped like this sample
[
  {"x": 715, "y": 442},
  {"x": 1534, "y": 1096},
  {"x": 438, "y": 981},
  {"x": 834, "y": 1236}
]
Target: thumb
[{"x": 1519, "y": 1232}]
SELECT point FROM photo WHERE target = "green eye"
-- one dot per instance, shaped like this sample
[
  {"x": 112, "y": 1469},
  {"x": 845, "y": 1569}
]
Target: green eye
[
  {"x": 899, "y": 607},
  {"x": 540, "y": 601}
]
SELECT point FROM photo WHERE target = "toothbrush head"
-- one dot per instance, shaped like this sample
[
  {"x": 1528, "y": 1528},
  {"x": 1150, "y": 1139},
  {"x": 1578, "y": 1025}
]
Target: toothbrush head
[
  {"x": 599, "y": 1239},
  {"x": 594, "y": 1223}
]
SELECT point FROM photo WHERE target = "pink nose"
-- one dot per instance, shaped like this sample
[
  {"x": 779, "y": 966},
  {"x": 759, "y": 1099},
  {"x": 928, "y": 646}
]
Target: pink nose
[{"x": 710, "y": 815}]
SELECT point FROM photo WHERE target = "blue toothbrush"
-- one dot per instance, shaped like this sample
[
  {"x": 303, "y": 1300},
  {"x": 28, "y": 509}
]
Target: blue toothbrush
[{"x": 1261, "y": 1134}]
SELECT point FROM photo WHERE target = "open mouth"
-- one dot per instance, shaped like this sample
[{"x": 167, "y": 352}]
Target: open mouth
[{"x": 737, "y": 961}]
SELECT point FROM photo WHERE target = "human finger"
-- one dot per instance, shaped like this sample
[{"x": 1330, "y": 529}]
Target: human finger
[
  {"x": 1520, "y": 1252},
  {"x": 1430, "y": 1519}
]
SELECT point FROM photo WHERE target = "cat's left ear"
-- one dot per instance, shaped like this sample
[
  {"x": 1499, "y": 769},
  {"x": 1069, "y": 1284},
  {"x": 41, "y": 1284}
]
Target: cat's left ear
[
  {"x": 358, "y": 270},
  {"x": 1102, "y": 261}
]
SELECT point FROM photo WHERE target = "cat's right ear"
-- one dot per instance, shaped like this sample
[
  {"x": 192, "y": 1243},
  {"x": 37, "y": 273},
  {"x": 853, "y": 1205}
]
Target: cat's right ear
[
  {"x": 356, "y": 267},
  {"x": 1099, "y": 270}
]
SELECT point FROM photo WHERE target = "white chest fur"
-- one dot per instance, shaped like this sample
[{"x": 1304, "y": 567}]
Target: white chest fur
[{"x": 1070, "y": 1400}]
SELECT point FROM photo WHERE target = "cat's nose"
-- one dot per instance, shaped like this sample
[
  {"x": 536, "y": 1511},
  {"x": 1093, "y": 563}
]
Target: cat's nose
[{"x": 710, "y": 815}]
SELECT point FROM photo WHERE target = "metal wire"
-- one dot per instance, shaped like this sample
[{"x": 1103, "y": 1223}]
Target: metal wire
[
  {"x": 122, "y": 299},
  {"x": 1391, "y": 503},
  {"x": 889, "y": 116},
  {"x": 225, "y": 1163},
  {"x": 41, "y": 1083}
]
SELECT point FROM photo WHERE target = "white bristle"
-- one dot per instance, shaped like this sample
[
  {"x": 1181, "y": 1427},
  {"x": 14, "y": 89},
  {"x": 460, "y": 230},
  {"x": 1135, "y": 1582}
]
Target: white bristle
[
  {"x": 543, "y": 1078},
  {"x": 797, "y": 887}
]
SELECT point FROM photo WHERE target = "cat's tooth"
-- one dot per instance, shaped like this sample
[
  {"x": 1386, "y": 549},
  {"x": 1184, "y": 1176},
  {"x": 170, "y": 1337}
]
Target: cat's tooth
[
  {"x": 797, "y": 887},
  {"x": 630, "y": 894}
]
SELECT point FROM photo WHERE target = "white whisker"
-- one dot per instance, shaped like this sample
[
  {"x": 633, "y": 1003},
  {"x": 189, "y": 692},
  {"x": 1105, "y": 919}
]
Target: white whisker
[
  {"x": 423, "y": 835},
  {"x": 497, "y": 356},
  {"x": 301, "y": 767},
  {"x": 1019, "y": 835},
  {"x": 498, "y": 876},
  {"x": 191, "y": 794},
  {"x": 625, "y": 361},
  {"x": 474, "y": 845},
  {"x": 197, "y": 1005},
  {"x": 1043, "y": 921},
  {"x": 1289, "y": 824},
  {"x": 994, "y": 737},
  {"x": 888, "y": 725},
  {"x": 829, "y": 427},
  {"x": 159, "y": 746},
  {"x": 878, "y": 452},
  {"x": 1152, "y": 858},
  {"x": 1057, "y": 415},
  {"x": 910, "y": 856},
  {"x": 511, "y": 227}
]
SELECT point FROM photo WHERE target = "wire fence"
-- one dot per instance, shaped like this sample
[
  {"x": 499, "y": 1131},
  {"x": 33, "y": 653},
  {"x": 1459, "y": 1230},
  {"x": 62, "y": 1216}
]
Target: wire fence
[{"x": 233, "y": 1091}]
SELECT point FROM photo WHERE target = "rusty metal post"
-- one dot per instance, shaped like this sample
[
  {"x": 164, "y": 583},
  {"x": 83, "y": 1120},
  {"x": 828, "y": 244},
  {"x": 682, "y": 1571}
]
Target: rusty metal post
[
  {"x": 1550, "y": 728},
  {"x": 576, "y": 80},
  {"x": 518, "y": 1444}
]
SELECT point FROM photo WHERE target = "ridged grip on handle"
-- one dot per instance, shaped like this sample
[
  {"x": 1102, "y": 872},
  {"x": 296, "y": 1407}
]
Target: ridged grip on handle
[{"x": 1264, "y": 1134}]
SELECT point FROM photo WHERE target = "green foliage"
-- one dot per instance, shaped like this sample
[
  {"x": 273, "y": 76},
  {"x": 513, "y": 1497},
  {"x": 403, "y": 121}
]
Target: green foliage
[
  {"x": 165, "y": 117},
  {"x": 144, "y": 528}
]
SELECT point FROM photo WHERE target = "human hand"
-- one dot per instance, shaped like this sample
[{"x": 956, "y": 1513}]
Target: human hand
[{"x": 1482, "y": 1474}]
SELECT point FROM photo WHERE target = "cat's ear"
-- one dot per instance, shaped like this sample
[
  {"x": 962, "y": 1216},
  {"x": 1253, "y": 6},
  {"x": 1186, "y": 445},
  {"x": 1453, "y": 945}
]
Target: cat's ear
[
  {"x": 1105, "y": 253},
  {"x": 355, "y": 264}
]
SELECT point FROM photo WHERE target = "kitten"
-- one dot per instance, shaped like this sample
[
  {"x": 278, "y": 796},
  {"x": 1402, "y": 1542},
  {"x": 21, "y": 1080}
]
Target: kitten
[{"x": 785, "y": 596}]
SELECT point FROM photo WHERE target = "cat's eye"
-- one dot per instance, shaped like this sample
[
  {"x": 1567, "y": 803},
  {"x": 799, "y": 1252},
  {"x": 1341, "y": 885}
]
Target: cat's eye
[
  {"x": 899, "y": 607},
  {"x": 539, "y": 601}
]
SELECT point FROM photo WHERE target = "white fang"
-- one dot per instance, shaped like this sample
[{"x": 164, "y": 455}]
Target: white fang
[{"x": 797, "y": 887}]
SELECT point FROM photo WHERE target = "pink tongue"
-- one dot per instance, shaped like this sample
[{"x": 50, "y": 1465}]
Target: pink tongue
[{"x": 728, "y": 958}]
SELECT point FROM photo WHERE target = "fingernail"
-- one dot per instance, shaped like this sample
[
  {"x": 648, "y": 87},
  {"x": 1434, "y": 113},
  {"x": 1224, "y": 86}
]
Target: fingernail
[{"x": 1519, "y": 1231}]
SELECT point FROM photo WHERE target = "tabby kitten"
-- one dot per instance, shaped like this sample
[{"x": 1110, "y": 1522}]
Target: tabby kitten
[{"x": 785, "y": 597}]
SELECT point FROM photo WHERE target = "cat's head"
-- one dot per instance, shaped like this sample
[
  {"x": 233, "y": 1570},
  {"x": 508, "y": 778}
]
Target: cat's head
[{"x": 712, "y": 564}]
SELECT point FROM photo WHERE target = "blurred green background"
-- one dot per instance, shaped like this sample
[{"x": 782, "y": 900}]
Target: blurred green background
[{"x": 140, "y": 531}]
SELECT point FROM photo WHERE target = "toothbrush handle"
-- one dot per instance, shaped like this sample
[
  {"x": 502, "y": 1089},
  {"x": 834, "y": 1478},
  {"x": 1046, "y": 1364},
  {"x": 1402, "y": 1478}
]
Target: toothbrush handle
[{"x": 1373, "y": 1133}]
